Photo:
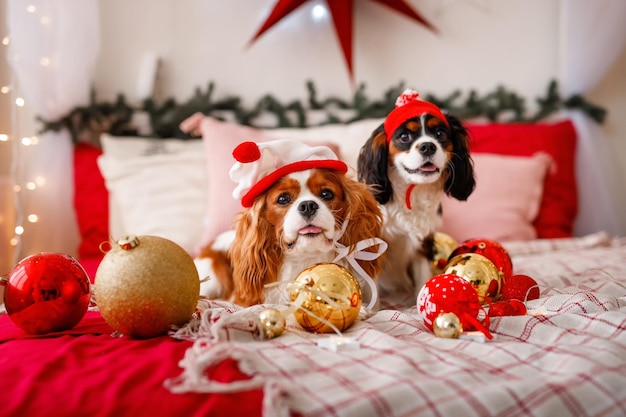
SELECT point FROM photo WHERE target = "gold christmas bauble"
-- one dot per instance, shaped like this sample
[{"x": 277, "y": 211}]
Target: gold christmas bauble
[
  {"x": 479, "y": 271},
  {"x": 443, "y": 246},
  {"x": 336, "y": 283},
  {"x": 146, "y": 284},
  {"x": 447, "y": 326},
  {"x": 272, "y": 323}
]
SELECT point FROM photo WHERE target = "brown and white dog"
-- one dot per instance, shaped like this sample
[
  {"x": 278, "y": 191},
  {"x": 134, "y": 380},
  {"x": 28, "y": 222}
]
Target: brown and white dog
[
  {"x": 415, "y": 157},
  {"x": 299, "y": 205}
]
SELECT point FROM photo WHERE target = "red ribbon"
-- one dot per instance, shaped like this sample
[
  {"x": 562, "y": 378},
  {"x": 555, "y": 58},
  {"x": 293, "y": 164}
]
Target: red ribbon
[
  {"x": 461, "y": 308},
  {"x": 407, "y": 198}
]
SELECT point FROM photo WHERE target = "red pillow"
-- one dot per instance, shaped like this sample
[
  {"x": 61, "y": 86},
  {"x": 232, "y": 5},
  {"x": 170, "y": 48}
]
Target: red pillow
[
  {"x": 91, "y": 201},
  {"x": 559, "y": 204}
]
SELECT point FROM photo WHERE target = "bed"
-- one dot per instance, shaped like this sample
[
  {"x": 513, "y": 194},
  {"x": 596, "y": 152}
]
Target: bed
[{"x": 566, "y": 357}]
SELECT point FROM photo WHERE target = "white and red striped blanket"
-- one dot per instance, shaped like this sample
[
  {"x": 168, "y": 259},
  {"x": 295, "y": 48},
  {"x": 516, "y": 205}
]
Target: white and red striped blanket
[{"x": 566, "y": 359}]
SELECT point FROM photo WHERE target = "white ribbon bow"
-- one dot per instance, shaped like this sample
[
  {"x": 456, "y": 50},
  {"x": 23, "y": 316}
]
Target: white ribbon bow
[{"x": 360, "y": 254}]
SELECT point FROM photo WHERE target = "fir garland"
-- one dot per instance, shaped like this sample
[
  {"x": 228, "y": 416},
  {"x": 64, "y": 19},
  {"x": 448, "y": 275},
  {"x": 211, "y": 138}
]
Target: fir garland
[{"x": 86, "y": 123}]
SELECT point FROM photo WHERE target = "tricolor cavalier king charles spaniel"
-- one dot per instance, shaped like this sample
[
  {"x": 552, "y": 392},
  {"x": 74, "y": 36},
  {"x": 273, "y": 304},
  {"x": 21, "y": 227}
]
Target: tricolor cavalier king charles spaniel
[
  {"x": 298, "y": 204},
  {"x": 415, "y": 157}
]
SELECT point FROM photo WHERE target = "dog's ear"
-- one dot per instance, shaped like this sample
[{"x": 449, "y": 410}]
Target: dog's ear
[
  {"x": 365, "y": 221},
  {"x": 372, "y": 165},
  {"x": 254, "y": 255},
  {"x": 461, "y": 182}
]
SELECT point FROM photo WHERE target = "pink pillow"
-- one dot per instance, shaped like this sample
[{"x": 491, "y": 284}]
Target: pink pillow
[
  {"x": 559, "y": 204},
  {"x": 505, "y": 202},
  {"x": 220, "y": 138}
]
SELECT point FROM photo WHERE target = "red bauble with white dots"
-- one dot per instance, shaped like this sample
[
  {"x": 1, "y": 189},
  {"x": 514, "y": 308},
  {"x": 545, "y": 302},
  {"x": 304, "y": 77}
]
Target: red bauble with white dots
[{"x": 448, "y": 293}]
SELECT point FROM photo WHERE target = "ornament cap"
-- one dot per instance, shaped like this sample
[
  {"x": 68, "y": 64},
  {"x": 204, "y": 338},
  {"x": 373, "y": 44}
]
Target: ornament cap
[{"x": 128, "y": 242}]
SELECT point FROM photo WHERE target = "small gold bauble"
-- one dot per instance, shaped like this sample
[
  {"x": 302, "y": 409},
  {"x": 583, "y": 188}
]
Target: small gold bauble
[
  {"x": 443, "y": 246},
  {"x": 146, "y": 284},
  {"x": 478, "y": 271},
  {"x": 447, "y": 326},
  {"x": 338, "y": 284},
  {"x": 272, "y": 323}
]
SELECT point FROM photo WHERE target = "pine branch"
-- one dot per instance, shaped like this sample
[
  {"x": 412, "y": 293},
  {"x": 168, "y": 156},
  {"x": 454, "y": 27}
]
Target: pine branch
[{"x": 86, "y": 123}]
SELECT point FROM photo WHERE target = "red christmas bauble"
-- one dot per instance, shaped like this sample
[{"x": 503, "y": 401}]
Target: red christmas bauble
[
  {"x": 520, "y": 287},
  {"x": 491, "y": 250},
  {"x": 507, "y": 308},
  {"x": 449, "y": 293},
  {"x": 47, "y": 292}
]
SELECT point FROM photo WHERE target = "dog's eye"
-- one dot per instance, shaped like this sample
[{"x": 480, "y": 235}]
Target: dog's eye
[
  {"x": 327, "y": 195},
  {"x": 404, "y": 137},
  {"x": 441, "y": 134},
  {"x": 283, "y": 199}
]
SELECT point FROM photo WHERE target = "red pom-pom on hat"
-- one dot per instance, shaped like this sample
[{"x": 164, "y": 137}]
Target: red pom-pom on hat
[{"x": 247, "y": 152}]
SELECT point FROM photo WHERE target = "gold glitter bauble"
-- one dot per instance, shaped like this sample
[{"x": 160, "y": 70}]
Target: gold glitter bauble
[
  {"x": 338, "y": 284},
  {"x": 478, "y": 271},
  {"x": 272, "y": 323},
  {"x": 443, "y": 246},
  {"x": 146, "y": 284},
  {"x": 447, "y": 326}
]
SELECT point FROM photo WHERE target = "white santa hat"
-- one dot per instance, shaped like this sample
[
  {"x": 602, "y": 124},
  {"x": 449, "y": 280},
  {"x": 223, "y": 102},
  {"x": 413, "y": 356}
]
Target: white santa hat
[{"x": 259, "y": 166}]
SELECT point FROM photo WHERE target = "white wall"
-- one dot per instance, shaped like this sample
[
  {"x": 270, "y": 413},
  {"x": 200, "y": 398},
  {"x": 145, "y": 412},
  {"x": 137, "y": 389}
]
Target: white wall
[
  {"x": 481, "y": 43},
  {"x": 611, "y": 93}
]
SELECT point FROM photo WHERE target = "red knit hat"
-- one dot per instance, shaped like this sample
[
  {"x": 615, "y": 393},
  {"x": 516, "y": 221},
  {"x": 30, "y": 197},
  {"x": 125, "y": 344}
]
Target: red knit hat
[
  {"x": 259, "y": 166},
  {"x": 408, "y": 106}
]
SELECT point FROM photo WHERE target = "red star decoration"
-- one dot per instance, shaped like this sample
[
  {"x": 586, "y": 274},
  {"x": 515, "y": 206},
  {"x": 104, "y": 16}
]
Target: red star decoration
[{"x": 342, "y": 14}]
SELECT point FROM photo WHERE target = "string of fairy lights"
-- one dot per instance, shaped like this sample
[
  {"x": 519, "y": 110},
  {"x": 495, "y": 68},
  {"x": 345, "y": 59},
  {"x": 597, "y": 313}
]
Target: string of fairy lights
[{"x": 19, "y": 176}]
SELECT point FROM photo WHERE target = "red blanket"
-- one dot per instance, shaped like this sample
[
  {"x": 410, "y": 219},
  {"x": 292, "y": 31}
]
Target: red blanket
[{"x": 87, "y": 372}]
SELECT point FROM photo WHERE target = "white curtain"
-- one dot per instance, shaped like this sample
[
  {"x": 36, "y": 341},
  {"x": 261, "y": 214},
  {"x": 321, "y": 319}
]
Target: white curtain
[
  {"x": 53, "y": 49},
  {"x": 593, "y": 35}
]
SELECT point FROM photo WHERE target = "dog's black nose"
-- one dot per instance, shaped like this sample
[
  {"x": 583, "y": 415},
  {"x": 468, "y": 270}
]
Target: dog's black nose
[
  {"x": 427, "y": 148},
  {"x": 308, "y": 208}
]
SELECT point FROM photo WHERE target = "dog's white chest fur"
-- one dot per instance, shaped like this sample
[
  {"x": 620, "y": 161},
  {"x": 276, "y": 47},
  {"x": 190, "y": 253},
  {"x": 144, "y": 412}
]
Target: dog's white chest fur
[
  {"x": 418, "y": 221},
  {"x": 406, "y": 269}
]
